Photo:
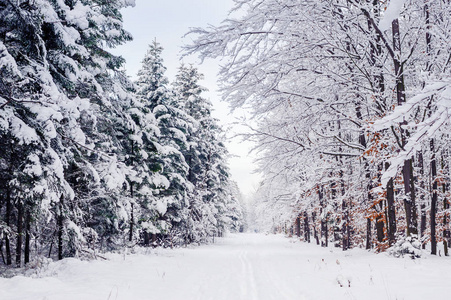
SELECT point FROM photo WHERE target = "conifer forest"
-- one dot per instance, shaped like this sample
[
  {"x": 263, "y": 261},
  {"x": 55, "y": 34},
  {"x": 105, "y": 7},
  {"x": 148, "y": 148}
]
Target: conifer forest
[
  {"x": 91, "y": 161},
  {"x": 348, "y": 107}
]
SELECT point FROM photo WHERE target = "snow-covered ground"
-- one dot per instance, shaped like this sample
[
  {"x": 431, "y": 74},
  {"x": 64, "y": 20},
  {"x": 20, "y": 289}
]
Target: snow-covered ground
[{"x": 244, "y": 266}]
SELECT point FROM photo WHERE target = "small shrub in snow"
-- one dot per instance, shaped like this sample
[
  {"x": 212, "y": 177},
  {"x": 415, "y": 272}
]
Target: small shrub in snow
[{"x": 406, "y": 246}]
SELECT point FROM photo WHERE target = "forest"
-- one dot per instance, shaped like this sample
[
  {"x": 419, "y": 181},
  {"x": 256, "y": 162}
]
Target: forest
[
  {"x": 349, "y": 105},
  {"x": 91, "y": 161}
]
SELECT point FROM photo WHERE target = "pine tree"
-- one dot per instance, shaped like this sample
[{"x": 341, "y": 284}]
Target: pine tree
[
  {"x": 205, "y": 155},
  {"x": 59, "y": 94},
  {"x": 170, "y": 140}
]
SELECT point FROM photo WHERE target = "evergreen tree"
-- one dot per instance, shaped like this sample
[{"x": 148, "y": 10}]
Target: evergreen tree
[
  {"x": 86, "y": 160},
  {"x": 170, "y": 140},
  {"x": 59, "y": 97},
  {"x": 205, "y": 156}
]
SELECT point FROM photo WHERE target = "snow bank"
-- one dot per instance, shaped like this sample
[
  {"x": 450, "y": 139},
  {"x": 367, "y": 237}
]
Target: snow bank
[{"x": 246, "y": 267}]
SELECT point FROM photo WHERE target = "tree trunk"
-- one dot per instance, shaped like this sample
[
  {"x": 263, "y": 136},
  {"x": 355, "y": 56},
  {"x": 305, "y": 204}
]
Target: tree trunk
[
  {"x": 27, "y": 237},
  {"x": 407, "y": 170},
  {"x": 368, "y": 234},
  {"x": 434, "y": 199},
  {"x": 381, "y": 212},
  {"x": 370, "y": 200},
  {"x": 315, "y": 232},
  {"x": 19, "y": 234},
  {"x": 345, "y": 226},
  {"x": 409, "y": 200},
  {"x": 60, "y": 229},
  {"x": 380, "y": 233},
  {"x": 324, "y": 233},
  {"x": 298, "y": 226},
  {"x": 391, "y": 210},
  {"x": 306, "y": 227},
  {"x": 154, "y": 239},
  {"x": 422, "y": 200},
  {"x": 324, "y": 229},
  {"x": 8, "y": 223},
  {"x": 146, "y": 238},
  {"x": 132, "y": 218},
  {"x": 445, "y": 188},
  {"x": 1, "y": 252}
]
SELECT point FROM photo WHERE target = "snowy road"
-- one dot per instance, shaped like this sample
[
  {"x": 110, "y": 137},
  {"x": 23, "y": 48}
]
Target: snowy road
[{"x": 247, "y": 267}]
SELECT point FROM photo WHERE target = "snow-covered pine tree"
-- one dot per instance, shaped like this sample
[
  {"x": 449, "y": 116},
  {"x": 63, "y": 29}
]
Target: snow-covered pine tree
[
  {"x": 170, "y": 140},
  {"x": 61, "y": 94},
  {"x": 205, "y": 156}
]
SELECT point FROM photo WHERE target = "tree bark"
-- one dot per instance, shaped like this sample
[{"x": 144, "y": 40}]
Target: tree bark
[
  {"x": 445, "y": 189},
  {"x": 19, "y": 234},
  {"x": 315, "y": 232},
  {"x": 368, "y": 234},
  {"x": 60, "y": 229},
  {"x": 132, "y": 221},
  {"x": 324, "y": 229},
  {"x": 409, "y": 200},
  {"x": 380, "y": 233},
  {"x": 391, "y": 211},
  {"x": 27, "y": 237},
  {"x": 146, "y": 238},
  {"x": 132, "y": 218},
  {"x": 422, "y": 200},
  {"x": 298, "y": 226},
  {"x": 434, "y": 199},
  {"x": 154, "y": 239},
  {"x": 345, "y": 227},
  {"x": 407, "y": 171},
  {"x": 8, "y": 223},
  {"x": 306, "y": 227}
]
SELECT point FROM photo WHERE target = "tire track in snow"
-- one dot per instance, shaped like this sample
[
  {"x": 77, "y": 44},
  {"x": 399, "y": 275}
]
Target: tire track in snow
[{"x": 248, "y": 284}]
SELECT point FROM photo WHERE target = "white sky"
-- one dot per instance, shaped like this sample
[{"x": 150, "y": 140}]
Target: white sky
[{"x": 168, "y": 21}]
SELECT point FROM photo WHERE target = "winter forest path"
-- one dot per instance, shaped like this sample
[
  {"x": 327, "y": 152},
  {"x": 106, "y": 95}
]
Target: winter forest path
[{"x": 239, "y": 267}]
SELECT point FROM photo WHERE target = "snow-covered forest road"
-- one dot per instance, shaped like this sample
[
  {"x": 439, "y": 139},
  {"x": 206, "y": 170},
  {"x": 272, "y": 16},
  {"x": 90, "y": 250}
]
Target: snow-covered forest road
[{"x": 244, "y": 266}]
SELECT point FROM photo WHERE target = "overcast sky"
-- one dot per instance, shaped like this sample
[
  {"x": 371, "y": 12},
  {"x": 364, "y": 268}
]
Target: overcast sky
[{"x": 168, "y": 21}]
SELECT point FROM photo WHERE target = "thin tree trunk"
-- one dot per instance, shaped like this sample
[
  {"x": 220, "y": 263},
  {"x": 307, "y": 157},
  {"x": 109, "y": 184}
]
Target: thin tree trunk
[
  {"x": 434, "y": 199},
  {"x": 132, "y": 217},
  {"x": 445, "y": 188},
  {"x": 51, "y": 245},
  {"x": 1, "y": 252},
  {"x": 345, "y": 226},
  {"x": 297, "y": 226},
  {"x": 380, "y": 233},
  {"x": 368, "y": 234},
  {"x": 324, "y": 229},
  {"x": 315, "y": 232},
  {"x": 8, "y": 223},
  {"x": 146, "y": 238},
  {"x": 60, "y": 228},
  {"x": 391, "y": 210},
  {"x": 422, "y": 201},
  {"x": 306, "y": 227},
  {"x": 132, "y": 220},
  {"x": 154, "y": 239},
  {"x": 19, "y": 234},
  {"x": 381, "y": 211},
  {"x": 409, "y": 201},
  {"x": 345, "y": 208},
  {"x": 27, "y": 237}
]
